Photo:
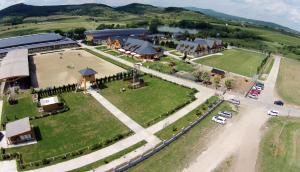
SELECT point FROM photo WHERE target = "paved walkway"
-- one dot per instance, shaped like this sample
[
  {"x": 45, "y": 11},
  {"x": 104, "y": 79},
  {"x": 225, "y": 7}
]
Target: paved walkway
[
  {"x": 179, "y": 114},
  {"x": 94, "y": 156},
  {"x": 8, "y": 166},
  {"x": 209, "y": 55},
  {"x": 168, "y": 53},
  {"x": 135, "y": 127}
]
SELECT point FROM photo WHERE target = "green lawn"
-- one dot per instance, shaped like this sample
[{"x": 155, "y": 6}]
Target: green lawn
[
  {"x": 86, "y": 123},
  {"x": 163, "y": 65},
  {"x": 114, "y": 53},
  {"x": 279, "y": 148},
  {"x": 288, "y": 86},
  {"x": 147, "y": 103},
  {"x": 110, "y": 158},
  {"x": 130, "y": 59},
  {"x": 236, "y": 61},
  {"x": 184, "y": 150},
  {"x": 25, "y": 107}
]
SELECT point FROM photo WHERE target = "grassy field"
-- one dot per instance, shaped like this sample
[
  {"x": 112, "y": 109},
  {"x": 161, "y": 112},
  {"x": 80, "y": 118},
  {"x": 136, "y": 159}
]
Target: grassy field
[
  {"x": 163, "y": 65},
  {"x": 279, "y": 149},
  {"x": 25, "y": 107},
  {"x": 110, "y": 158},
  {"x": 288, "y": 86},
  {"x": 86, "y": 123},
  {"x": 235, "y": 60},
  {"x": 149, "y": 102},
  {"x": 184, "y": 150}
]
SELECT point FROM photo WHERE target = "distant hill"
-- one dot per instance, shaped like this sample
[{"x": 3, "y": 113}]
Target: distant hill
[
  {"x": 228, "y": 17},
  {"x": 33, "y": 11}
]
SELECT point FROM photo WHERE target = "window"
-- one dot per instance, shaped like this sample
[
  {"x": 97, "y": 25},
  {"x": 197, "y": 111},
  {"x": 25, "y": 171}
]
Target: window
[{"x": 26, "y": 137}]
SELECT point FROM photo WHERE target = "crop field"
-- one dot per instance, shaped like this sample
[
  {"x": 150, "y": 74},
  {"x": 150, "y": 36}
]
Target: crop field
[
  {"x": 288, "y": 86},
  {"x": 86, "y": 123},
  {"x": 279, "y": 149},
  {"x": 60, "y": 68},
  {"x": 235, "y": 60}
]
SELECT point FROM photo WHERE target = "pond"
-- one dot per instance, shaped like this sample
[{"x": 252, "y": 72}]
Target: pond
[{"x": 165, "y": 28}]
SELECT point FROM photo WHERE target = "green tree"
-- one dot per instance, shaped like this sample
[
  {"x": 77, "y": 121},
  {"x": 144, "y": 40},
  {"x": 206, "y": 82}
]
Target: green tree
[
  {"x": 206, "y": 77},
  {"x": 217, "y": 80},
  {"x": 229, "y": 84},
  {"x": 198, "y": 74}
]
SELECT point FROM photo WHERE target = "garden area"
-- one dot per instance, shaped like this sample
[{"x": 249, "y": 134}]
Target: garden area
[
  {"x": 151, "y": 103},
  {"x": 279, "y": 148},
  {"x": 87, "y": 126},
  {"x": 169, "y": 65},
  {"x": 236, "y": 60},
  {"x": 25, "y": 107},
  {"x": 177, "y": 155}
]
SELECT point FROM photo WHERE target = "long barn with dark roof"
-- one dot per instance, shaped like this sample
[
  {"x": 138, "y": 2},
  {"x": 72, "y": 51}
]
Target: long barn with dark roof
[
  {"x": 99, "y": 36},
  {"x": 35, "y": 43}
]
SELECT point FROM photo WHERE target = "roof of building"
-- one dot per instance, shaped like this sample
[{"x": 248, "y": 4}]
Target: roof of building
[
  {"x": 87, "y": 72},
  {"x": 18, "y": 127},
  {"x": 218, "y": 71},
  {"x": 104, "y": 34},
  {"x": 140, "y": 46},
  {"x": 14, "y": 64},
  {"x": 29, "y": 39},
  {"x": 49, "y": 101},
  {"x": 39, "y": 45}
]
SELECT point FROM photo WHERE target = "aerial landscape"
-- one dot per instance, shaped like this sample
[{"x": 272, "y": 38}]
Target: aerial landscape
[{"x": 150, "y": 86}]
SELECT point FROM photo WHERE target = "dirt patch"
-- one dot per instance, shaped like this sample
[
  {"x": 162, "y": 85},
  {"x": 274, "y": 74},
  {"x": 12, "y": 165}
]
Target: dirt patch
[{"x": 60, "y": 68}]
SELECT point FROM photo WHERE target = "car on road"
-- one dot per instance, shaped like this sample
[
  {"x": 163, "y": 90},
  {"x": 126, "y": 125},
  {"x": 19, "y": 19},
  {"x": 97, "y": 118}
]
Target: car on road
[
  {"x": 279, "y": 102},
  {"x": 261, "y": 85},
  {"x": 219, "y": 119},
  {"x": 256, "y": 88},
  {"x": 253, "y": 96},
  {"x": 234, "y": 101},
  {"x": 256, "y": 92},
  {"x": 273, "y": 112},
  {"x": 225, "y": 114}
]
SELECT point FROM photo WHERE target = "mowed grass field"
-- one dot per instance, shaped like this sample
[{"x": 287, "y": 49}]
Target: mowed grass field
[
  {"x": 149, "y": 102},
  {"x": 288, "y": 82},
  {"x": 86, "y": 123},
  {"x": 280, "y": 147},
  {"x": 235, "y": 60}
]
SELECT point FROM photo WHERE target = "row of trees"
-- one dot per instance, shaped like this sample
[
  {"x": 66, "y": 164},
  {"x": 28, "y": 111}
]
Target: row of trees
[{"x": 77, "y": 33}]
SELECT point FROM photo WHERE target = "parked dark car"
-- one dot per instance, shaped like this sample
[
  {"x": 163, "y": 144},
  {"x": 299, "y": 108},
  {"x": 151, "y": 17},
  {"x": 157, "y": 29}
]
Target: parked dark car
[
  {"x": 261, "y": 85},
  {"x": 279, "y": 103}
]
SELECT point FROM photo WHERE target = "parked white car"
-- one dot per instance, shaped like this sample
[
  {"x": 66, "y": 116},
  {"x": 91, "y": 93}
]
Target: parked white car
[
  {"x": 219, "y": 119},
  {"x": 225, "y": 114},
  {"x": 257, "y": 88},
  {"x": 273, "y": 112},
  {"x": 252, "y": 96},
  {"x": 234, "y": 101}
]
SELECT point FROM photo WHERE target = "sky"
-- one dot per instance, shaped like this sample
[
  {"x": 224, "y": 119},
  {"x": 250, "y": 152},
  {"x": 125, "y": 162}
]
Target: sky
[{"x": 283, "y": 12}]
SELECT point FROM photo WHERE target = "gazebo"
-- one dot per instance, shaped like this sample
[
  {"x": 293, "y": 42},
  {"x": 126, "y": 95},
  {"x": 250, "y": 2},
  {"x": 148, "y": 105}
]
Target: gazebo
[{"x": 87, "y": 75}]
